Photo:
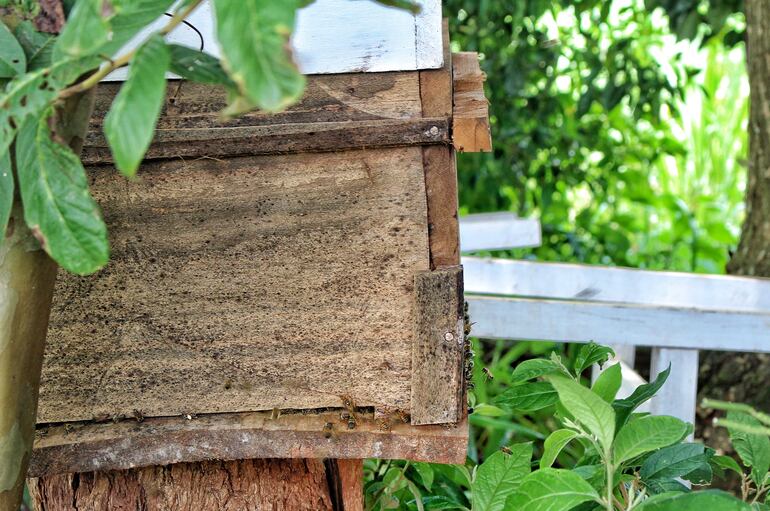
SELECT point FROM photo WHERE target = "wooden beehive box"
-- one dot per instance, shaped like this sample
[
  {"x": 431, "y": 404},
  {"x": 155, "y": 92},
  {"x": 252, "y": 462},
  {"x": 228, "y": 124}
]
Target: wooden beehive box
[{"x": 270, "y": 275}]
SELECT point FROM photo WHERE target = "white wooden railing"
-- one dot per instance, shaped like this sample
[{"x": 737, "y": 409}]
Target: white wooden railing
[{"x": 674, "y": 313}]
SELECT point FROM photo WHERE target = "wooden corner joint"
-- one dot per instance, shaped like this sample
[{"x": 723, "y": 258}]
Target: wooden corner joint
[
  {"x": 439, "y": 347},
  {"x": 470, "y": 117}
]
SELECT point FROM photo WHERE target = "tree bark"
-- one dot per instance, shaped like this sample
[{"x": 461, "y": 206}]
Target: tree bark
[
  {"x": 247, "y": 485},
  {"x": 742, "y": 377}
]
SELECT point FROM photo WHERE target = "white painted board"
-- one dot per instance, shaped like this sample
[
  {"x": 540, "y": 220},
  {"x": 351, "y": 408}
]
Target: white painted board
[
  {"x": 679, "y": 395},
  {"x": 338, "y": 36},
  {"x": 618, "y": 323},
  {"x": 607, "y": 284},
  {"x": 498, "y": 231}
]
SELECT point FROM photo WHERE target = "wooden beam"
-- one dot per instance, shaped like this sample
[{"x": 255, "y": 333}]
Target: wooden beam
[
  {"x": 470, "y": 122},
  {"x": 438, "y": 349},
  {"x": 604, "y": 284},
  {"x": 498, "y": 231},
  {"x": 679, "y": 395},
  {"x": 619, "y": 323},
  {"x": 86, "y": 447}
]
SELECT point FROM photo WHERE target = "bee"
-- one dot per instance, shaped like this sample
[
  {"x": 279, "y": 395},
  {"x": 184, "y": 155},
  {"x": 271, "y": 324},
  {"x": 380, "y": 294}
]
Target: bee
[
  {"x": 102, "y": 417},
  {"x": 488, "y": 374},
  {"x": 138, "y": 415},
  {"x": 69, "y": 428},
  {"x": 385, "y": 424},
  {"x": 350, "y": 406},
  {"x": 275, "y": 414},
  {"x": 506, "y": 450},
  {"x": 328, "y": 430},
  {"x": 189, "y": 416}
]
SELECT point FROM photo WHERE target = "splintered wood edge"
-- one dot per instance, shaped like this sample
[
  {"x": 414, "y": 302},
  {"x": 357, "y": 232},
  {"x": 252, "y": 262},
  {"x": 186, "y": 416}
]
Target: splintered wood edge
[
  {"x": 87, "y": 447},
  {"x": 470, "y": 118},
  {"x": 439, "y": 347}
]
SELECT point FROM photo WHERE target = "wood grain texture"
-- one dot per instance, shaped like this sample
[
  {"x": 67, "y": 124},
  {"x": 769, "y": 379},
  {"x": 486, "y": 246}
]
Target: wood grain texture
[
  {"x": 470, "y": 121},
  {"x": 246, "y": 485},
  {"x": 441, "y": 192},
  {"x": 352, "y": 483},
  {"x": 281, "y": 139},
  {"x": 436, "y": 84},
  {"x": 244, "y": 285},
  {"x": 438, "y": 352},
  {"x": 86, "y": 447}
]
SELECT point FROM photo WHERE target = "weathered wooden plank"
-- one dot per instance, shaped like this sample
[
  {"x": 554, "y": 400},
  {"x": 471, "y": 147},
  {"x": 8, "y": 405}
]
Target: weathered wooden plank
[
  {"x": 338, "y": 36},
  {"x": 619, "y": 323},
  {"x": 351, "y": 481},
  {"x": 605, "y": 284},
  {"x": 470, "y": 121},
  {"x": 679, "y": 395},
  {"x": 162, "y": 441},
  {"x": 327, "y": 98},
  {"x": 438, "y": 350},
  {"x": 498, "y": 231},
  {"x": 436, "y": 84},
  {"x": 281, "y": 139},
  {"x": 243, "y": 285},
  {"x": 441, "y": 190}
]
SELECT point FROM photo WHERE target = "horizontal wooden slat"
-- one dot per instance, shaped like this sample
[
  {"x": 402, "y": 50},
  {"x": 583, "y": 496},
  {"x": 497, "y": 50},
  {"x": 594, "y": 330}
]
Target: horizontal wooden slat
[
  {"x": 280, "y": 139},
  {"x": 498, "y": 231},
  {"x": 605, "y": 284},
  {"x": 161, "y": 441},
  {"x": 615, "y": 323}
]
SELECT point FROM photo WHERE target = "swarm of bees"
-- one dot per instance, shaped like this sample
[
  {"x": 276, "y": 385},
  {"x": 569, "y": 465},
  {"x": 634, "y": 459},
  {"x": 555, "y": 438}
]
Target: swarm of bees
[{"x": 468, "y": 367}]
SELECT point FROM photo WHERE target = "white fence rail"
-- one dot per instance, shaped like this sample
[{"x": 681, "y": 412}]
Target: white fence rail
[{"x": 676, "y": 314}]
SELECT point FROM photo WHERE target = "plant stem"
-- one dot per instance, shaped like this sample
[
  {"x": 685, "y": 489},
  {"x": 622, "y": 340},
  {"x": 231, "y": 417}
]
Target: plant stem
[
  {"x": 610, "y": 470},
  {"x": 123, "y": 60}
]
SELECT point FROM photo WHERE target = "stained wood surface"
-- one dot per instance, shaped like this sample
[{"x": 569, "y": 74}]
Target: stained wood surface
[
  {"x": 441, "y": 190},
  {"x": 89, "y": 446},
  {"x": 243, "y": 285},
  {"x": 470, "y": 124},
  {"x": 438, "y": 352},
  {"x": 337, "y": 36},
  {"x": 346, "y": 483},
  {"x": 247, "y": 485}
]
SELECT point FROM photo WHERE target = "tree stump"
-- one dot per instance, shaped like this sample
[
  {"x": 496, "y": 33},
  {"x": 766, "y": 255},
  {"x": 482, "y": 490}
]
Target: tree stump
[{"x": 246, "y": 485}]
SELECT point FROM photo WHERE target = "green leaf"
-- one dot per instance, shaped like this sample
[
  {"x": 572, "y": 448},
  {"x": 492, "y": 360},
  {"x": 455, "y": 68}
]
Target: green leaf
[
  {"x": 130, "y": 123},
  {"x": 528, "y": 397},
  {"x": 588, "y": 408},
  {"x": 591, "y": 354},
  {"x": 426, "y": 473},
  {"x": 753, "y": 448},
  {"x": 441, "y": 502},
  {"x": 130, "y": 17},
  {"x": 6, "y": 191},
  {"x": 552, "y": 489},
  {"x": 13, "y": 61},
  {"x": 499, "y": 476},
  {"x": 727, "y": 463},
  {"x": 86, "y": 31},
  {"x": 408, "y": 5},
  {"x": 253, "y": 36},
  {"x": 38, "y": 46},
  {"x": 26, "y": 95},
  {"x": 553, "y": 445},
  {"x": 657, "y": 486},
  {"x": 531, "y": 369},
  {"x": 488, "y": 410},
  {"x": 711, "y": 500},
  {"x": 645, "y": 435},
  {"x": 608, "y": 383},
  {"x": 673, "y": 461},
  {"x": 198, "y": 66},
  {"x": 57, "y": 205},
  {"x": 624, "y": 407}
]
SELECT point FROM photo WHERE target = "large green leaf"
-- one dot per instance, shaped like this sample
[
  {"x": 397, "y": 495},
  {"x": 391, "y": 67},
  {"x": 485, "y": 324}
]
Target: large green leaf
[
  {"x": 499, "y": 476},
  {"x": 198, "y": 66},
  {"x": 25, "y": 95},
  {"x": 753, "y": 448},
  {"x": 533, "y": 368},
  {"x": 58, "y": 207},
  {"x": 674, "y": 461},
  {"x": 86, "y": 31},
  {"x": 588, "y": 408},
  {"x": 647, "y": 434},
  {"x": 552, "y": 489},
  {"x": 253, "y": 36},
  {"x": 608, "y": 383},
  {"x": 528, "y": 397},
  {"x": 6, "y": 191},
  {"x": 591, "y": 354},
  {"x": 13, "y": 61},
  {"x": 553, "y": 445},
  {"x": 709, "y": 500},
  {"x": 38, "y": 46},
  {"x": 624, "y": 407},
  {"x": 130, "y": 17},
  {"x": 130, "y": 123}
]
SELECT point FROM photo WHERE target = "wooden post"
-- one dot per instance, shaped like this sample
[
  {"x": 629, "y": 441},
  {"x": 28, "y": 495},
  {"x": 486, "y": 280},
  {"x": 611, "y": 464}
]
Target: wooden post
[{"x": 678, "y": 397}]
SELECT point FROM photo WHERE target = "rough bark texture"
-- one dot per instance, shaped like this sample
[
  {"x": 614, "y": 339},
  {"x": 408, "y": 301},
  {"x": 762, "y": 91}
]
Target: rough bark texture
[
  {"x": 248, "y": 485},
  {"x": 742, "y": 377}
]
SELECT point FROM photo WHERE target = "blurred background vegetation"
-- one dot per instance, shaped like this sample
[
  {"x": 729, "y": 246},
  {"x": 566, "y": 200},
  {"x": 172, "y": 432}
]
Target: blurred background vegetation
[{"x": 622, "y": 125}]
